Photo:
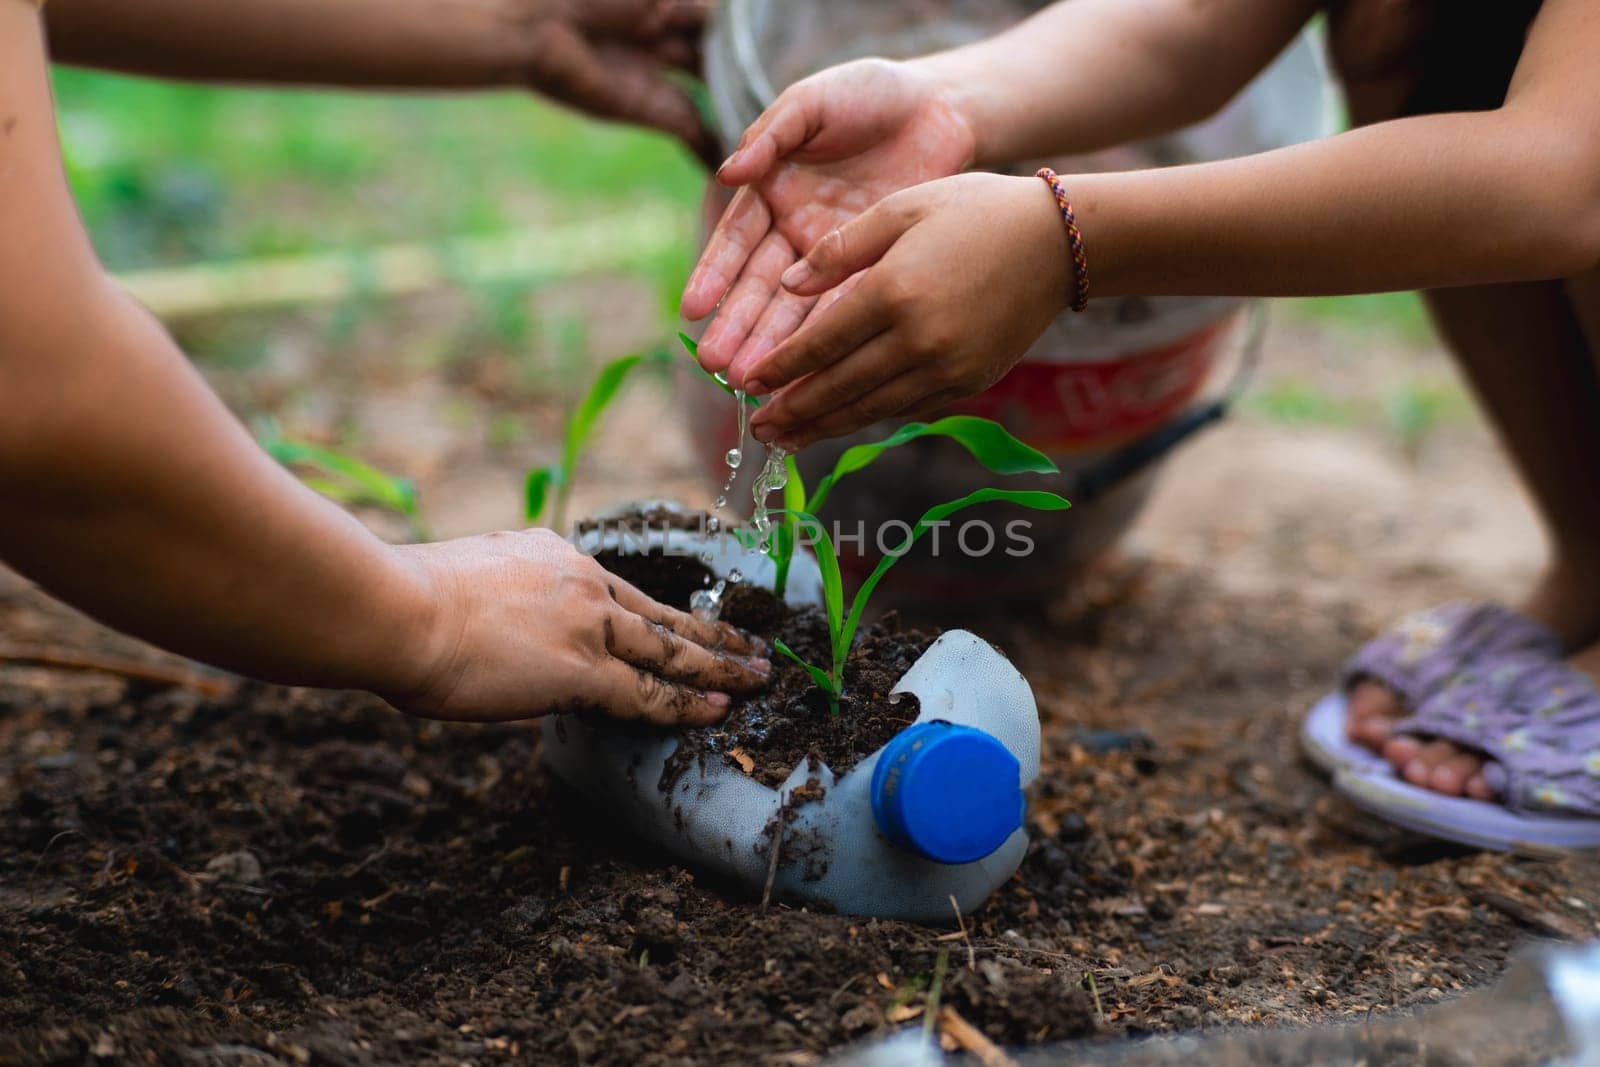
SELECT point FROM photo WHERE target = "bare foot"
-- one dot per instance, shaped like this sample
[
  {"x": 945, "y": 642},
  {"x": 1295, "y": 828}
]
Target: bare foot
[{"x": 1569, "y": 607}]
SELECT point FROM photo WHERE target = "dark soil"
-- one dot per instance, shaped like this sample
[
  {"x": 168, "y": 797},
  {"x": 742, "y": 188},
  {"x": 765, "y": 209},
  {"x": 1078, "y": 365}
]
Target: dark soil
[
  {"x": 771, "y": 733},
  {"x": 670, "y": 579},
  {"x": 302, "y": 877}
]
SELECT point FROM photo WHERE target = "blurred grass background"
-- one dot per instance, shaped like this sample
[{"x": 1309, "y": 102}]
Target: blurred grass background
[{"x": 168, "y": 174}]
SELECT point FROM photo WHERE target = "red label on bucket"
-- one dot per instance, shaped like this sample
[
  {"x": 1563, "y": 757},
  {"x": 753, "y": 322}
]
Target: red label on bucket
[{"x": 1064, "y": 407}]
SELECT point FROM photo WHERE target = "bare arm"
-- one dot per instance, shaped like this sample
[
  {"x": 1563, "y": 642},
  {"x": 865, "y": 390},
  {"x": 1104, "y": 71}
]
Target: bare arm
[
  {"x": 1437, "y": 200},
  {"x": 607, "y": 57},
  {"x": 1090, "y": 74},
  {"x": 1079, "y": 76},
  {"x": 131, "y": 492}
]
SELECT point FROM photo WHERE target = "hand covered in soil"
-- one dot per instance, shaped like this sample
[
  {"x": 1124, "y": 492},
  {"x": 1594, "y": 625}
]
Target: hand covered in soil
[
  {"x": 612, "y": 58},
  {"x": 523, "y": 625},
  {"x": 951, "y": 283},
  {"x": 831, "y": 147}
]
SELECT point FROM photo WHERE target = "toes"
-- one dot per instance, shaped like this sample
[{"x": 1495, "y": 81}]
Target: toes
[
  {"x": 1374, "y": 709},
  {"x": 1373, "y": 731},
  {"x": 1439, "y": 766},
  {"x": 1400, "y": 751},
  {"x": 1420, "y": 770},
  {"x": 1451, "y": 776},
  {"x": 1370, "y": 699}
]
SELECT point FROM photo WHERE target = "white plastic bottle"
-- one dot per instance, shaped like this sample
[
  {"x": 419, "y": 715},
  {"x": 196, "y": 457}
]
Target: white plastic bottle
[{"x": 934, "y": 815}]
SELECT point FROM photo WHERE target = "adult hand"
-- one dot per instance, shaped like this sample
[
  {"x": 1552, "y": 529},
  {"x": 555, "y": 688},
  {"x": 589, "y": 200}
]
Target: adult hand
[
  {"x": 613, "y": 58},
  {"x": 523, "y": 625},
  {"x": 831, "y": 147},
  {"x": 961, "y": 277}
]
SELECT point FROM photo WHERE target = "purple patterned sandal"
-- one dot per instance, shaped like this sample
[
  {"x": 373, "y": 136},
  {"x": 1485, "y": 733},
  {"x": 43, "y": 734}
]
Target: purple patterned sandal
[
  {"x": 1425, "y": 653},
  {"x": 1538, "y": 721}
]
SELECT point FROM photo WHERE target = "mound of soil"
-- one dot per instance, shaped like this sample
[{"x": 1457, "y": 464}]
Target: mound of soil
[{"x": 294, "y": 877}]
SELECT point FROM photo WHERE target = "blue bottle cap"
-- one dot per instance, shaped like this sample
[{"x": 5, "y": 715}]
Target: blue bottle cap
[{"x": 948, "y": 793}]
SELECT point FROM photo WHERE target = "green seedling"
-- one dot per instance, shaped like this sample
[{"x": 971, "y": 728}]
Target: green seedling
[
  {"x": 842, "y": 627},
  {"x": 541, "y": 481},
  {"x": 348, "y": 480},
  {"x": 985, "y": 440}
]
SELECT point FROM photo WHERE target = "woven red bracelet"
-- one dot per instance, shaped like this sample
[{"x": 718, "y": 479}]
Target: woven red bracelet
[{"x": 1080, "y": 262}]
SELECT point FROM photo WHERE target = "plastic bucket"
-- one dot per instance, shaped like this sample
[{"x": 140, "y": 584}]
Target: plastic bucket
[{"x": 1126, "y": 371}]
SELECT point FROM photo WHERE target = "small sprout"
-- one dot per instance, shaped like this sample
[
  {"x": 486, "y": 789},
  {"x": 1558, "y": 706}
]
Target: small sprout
[
  {"x": 542, "y": 481},
  {"x": 842, "y": 627},
  {"x": 347, "y": 480},
  {"x": 985, "y": 440},
  {"x": 1094, "y": 991},
  {"x": 930, "y": 1017}
]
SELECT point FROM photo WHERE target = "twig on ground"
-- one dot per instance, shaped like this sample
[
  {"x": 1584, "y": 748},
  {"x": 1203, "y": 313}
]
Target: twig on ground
[
  {"x": 970, "y": 1039},
  {"x": 1542, "y": 922},
  {"x": 133, "y": 670},
  {"x": 772, "y": 859},
  {"x": 961, "y": 921}
]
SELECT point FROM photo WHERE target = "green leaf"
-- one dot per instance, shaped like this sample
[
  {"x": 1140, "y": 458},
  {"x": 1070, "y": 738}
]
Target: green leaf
[
  {"x": 536, "y": 494},
  {"x": 832, "y": 580},
  {"x": 361, "y": 482},
  {"x": 787, "y": 538},
  {"x": 1036, "y": 500},
  {"x": 987, "y": 441},
  {"x": 581, "y": 426},
  {"x": 721, "y": 382},
  {"x": 794, "y": 490},
  {"x": 818, "y": 675},
  {"x": 824, "y": 680}
]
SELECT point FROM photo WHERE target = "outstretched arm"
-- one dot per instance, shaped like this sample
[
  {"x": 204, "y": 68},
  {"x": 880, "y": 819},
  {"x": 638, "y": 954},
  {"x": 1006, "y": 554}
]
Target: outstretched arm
[
  {"x": 130, "y": 491},
  {"x": 961, "y": 275},
  {"x": 607, "y": 57},
  {"x": 1077, "y": 77}
]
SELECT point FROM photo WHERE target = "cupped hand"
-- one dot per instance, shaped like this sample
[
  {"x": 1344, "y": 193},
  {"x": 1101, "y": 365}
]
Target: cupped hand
[
  {"x": 613, "y": 58},
  {"x": 522, "y": 625},
  {"x": 831, "y": 147},
  {"x": 961, "y": 277}
]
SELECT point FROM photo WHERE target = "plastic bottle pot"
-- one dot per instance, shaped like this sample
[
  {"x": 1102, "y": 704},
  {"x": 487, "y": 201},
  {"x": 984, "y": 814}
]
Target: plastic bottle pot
[{"x": 935, "y": 814}]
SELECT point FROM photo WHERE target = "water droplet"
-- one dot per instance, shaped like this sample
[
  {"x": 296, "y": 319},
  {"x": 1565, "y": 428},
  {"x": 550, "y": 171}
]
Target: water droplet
[
  {"x": 774, "y": 475},
  {"x": 713, "y": 525},
  {"x": 735, "y": 458},
  {"x": 706, "y": 604},
  {"x": 722, "y": 502},
  {"x": 895, "y": 698},
  {"x": 735, "y": 576}
]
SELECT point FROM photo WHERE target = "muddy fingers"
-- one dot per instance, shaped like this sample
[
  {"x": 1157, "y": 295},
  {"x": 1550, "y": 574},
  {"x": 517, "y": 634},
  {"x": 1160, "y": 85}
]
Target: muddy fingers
[
  {"x": 718, "y": 636},
  {"x": 653, "y": 647},
  {"x": 629, "y": 692}
]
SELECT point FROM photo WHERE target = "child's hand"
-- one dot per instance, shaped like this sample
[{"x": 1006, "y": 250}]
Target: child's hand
[
  {"x": 961, "y": 277},
  {"x": 831, "y": 147},
  {"x": 612, "y": 58}
]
